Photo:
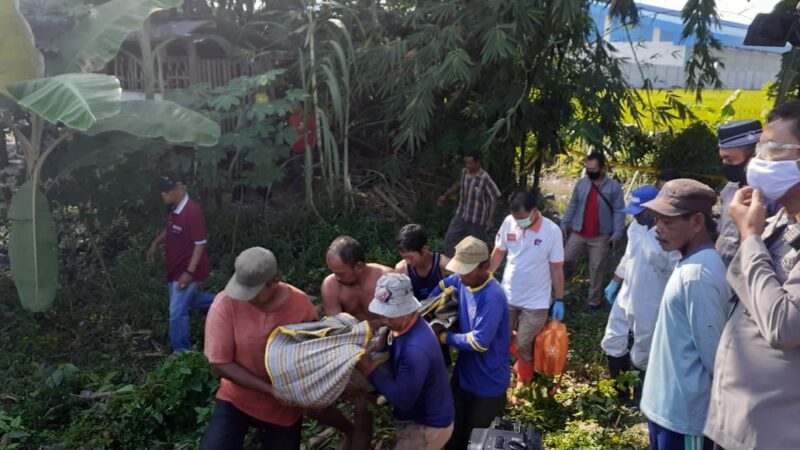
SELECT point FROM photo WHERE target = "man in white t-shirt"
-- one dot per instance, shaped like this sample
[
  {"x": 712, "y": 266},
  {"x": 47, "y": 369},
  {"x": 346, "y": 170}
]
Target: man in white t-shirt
[{"x": 534, "y": 270}]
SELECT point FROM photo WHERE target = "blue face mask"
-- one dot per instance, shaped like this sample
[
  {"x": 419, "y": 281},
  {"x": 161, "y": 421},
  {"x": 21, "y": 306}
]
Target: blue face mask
[{"x": 524, "y": 223}]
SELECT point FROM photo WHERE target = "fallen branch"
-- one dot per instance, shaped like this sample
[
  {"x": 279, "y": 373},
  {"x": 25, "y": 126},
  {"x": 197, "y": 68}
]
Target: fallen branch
[
  {"x": 390, "y": 203},
  {"x": 320, "y": 440},
  {"x": 89, "y": 396}
]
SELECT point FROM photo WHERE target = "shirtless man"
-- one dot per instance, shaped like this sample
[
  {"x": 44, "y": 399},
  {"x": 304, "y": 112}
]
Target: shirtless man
[
  {"x": 350, "y": 288},
  {"x": 351, "y": 285}
]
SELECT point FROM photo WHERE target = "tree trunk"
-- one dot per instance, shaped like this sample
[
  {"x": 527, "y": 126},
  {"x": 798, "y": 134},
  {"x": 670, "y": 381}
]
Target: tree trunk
[
  {"x": 537, "y": 167},
  {"x": 148, "y": 69},
  {"x": 3, "y": 149},
  {"x": 522, "y": 174}
]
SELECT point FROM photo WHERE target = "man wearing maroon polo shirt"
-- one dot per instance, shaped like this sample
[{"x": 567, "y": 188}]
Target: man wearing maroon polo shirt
[{"x": 187, "y": 260}]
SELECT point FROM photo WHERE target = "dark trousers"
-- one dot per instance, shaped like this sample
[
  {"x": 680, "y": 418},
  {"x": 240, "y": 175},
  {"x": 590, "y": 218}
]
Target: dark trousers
[
  {"x": 229, "y": 426},
  {"x": 459, "y": 229},
  {"x": 664, "y": 439},
  {"x": 472, "y": 411}
]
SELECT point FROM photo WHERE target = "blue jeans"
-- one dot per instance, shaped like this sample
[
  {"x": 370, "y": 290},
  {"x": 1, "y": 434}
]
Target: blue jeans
[
  {"x": 180, "y": 300},
  {"x": 664, "y": 439}
]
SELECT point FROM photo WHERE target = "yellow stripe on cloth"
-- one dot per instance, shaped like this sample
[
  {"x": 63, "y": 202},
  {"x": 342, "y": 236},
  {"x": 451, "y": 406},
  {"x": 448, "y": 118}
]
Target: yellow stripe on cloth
[
  {"x": 310, "y": 364},
  {"x": 474, "y": 343}
]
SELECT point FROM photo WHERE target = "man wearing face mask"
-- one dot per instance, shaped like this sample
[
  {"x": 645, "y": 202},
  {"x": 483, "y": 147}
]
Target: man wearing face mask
[
  {"x": 737, "y": 145},
  {"x": 755, "y": 400},
  {"x": 635, "y": 292},
  {"x": 596, "y": 222},
  {"x": 534, "y": 270}
]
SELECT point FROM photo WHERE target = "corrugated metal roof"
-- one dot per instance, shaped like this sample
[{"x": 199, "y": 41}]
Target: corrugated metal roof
[{"x": 730, "y": 34}]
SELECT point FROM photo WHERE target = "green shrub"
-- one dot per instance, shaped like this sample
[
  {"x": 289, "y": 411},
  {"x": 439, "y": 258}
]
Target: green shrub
[{"x": 171, "y": 406}]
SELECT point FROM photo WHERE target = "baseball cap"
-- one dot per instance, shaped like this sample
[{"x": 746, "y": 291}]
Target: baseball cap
[
  {"x": 739, "y": 133},
  {"x": 640, "y": 195},
  {"x": 470, "y": 252},
  {"x": 168, "y": 182},
  {"x": 394, "y": 296},
  {"x": 255, "y": 267},
  {"x": 683, "y": 196}
]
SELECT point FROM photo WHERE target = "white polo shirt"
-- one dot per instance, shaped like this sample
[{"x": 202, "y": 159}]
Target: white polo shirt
[{"x": 530, "y": 252}]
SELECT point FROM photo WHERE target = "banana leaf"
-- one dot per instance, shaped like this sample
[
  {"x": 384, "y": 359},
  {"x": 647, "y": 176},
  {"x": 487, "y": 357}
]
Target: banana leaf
[
  {"x": 77, "y": 100},
  {"x": 32, "y": 249},
  {"x": 164, "y": 119},
  {"x": 19, "y": 59},
  {"x": 96, "y": 39}
]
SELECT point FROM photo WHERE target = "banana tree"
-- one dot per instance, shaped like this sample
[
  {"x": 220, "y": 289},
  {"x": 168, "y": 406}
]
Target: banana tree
[{"x": 73, "y": 103}]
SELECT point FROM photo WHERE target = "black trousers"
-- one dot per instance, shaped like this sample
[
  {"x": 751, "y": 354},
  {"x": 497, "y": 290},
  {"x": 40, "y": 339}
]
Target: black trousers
[
  {"x": 472, "y": 411},
  {"x": 229, "y": 426}
]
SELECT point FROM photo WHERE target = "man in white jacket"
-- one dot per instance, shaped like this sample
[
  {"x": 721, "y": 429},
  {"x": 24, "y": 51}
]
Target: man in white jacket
[{"x": 636, "y": 289}]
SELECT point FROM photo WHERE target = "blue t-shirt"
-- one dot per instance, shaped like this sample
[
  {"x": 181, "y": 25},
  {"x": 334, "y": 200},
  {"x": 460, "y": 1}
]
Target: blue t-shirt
[
  {"x": 694, "y": 308},
  {"x": 418, "y": 387},
  {"x": 483, "y": 337}
]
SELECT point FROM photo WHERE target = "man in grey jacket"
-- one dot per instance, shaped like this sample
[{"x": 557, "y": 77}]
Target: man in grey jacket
[
  {"x": 755, "y": 397},
  {"x": 594, "y": 222}
]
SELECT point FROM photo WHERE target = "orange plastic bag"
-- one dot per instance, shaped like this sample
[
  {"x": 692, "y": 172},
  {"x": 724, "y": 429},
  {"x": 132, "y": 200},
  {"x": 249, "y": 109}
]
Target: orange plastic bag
[{"x": 551, "y": 348}]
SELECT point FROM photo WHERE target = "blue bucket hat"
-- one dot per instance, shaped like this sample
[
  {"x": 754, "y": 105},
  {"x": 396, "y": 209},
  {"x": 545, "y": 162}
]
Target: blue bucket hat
[
  {"x": 640, "y": 195},
  {"x": 739, "y": 133}
]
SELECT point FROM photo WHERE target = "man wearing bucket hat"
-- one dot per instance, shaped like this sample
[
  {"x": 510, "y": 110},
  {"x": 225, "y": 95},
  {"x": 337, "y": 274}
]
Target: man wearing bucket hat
[
  {"x": 737, "y": 146},
  {"x": 693, "y": 311},
  {"x": 482, "y": 373},
  {"x": 254, "y": 303},
  {"x": 418, "y": 386},
  {"x": 635, "y": 292}
]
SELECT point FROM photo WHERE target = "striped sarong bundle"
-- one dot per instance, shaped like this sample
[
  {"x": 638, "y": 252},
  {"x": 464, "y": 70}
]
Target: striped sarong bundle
[
  {"x": 441, "y": 312},
  {"x": 310, "y": 364}
]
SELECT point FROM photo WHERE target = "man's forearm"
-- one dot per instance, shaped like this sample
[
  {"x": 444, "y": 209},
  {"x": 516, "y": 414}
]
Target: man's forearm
[
  {"x": 197, "y": 253},
  {"x": 451, "y": 190},
  {"x": 159, "y": 239},
  {"x": 557, "y": 275},
  {"x": 492, "y": 210},
  {"x": 242, "y": 377},
  {"x": 497, "y": 258}
]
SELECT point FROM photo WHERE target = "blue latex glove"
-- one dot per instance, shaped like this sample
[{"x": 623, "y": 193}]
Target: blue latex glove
[
  {"x": 558, "y": 310},
  {"x": 612, "y": 290}
]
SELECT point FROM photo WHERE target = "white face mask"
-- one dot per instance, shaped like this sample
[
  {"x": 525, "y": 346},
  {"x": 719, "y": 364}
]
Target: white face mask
[{"x": 773, "y": 178}]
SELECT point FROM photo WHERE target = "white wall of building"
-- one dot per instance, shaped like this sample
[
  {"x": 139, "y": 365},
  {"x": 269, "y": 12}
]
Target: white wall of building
[{"x": 663, "y": 64}]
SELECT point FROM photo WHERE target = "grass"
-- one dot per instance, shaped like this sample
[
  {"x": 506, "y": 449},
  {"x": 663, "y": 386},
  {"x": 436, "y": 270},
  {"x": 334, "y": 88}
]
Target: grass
[{"x": 748, "y": 105}]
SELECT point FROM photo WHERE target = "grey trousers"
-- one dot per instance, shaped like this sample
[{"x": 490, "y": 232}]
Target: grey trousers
[{"x": 597, "y": 248}]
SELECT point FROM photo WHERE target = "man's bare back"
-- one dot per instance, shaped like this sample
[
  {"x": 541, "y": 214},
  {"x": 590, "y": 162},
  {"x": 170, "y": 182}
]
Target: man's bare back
[{"x": 354, "y": 298}]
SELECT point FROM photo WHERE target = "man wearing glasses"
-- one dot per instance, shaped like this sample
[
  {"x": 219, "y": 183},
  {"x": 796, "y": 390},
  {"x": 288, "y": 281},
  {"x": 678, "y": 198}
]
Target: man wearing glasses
[{"x": 755, "y": 398}]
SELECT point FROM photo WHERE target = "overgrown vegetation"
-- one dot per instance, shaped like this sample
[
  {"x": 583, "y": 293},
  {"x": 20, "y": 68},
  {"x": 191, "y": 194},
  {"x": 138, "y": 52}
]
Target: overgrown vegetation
[
  {"x": 398, "y": 90},
  {"x": 94, "y": 371}
]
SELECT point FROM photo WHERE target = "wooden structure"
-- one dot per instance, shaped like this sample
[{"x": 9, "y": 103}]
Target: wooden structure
[{"x": 187, "y": 52}]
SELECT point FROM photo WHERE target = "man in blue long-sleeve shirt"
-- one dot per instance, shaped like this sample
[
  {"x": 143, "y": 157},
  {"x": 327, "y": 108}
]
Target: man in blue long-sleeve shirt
[
  {"x": 482, "y": 371},
  {"x": 418, "y": 385}
]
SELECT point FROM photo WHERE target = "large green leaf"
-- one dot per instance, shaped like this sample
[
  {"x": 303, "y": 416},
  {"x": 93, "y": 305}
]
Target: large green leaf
[
  {"x": 32, "y": 248},
  {"x": 161, "y": 118},
  {"x": 77, "y": 100},
  {"x": 97, "y": 38},
  {"x": 19, "y": 59}
]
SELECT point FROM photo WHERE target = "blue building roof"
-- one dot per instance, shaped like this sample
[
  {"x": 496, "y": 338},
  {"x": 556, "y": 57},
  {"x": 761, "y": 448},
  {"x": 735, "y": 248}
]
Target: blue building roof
[{"x": 730, "y": 34}]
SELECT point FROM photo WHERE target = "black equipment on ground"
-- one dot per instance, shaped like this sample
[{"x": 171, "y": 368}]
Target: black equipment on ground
[{"x": 505, "y": 434}]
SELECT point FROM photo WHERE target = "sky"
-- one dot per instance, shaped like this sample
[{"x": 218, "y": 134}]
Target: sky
[{"x": 741, "y": 11}]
